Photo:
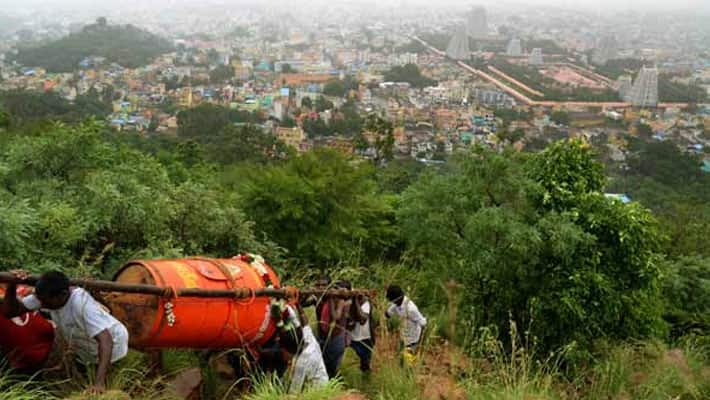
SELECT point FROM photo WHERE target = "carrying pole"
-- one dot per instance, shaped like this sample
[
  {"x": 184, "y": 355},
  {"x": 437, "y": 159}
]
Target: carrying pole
[{"x": 239, "y": 293}]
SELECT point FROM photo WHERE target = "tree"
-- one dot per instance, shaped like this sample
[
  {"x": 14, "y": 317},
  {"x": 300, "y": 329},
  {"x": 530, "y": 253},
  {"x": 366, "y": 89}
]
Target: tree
[
  {"x": 212, "y": 56},
  {"x": 203, "y": 120},
  {"x": 306, "y": 102},
  {"x": 644, "y": 130},
  {"x": 340, "y": 88},
  {"x": 567, "y": 172},
  {"x": 287, "y": 69},
  {"x": 560, "y": 117},
  {"x": 323, "y": 104},
  {"x": 245, "y": 143},
  {"x": 288, "y": 122},
  {"x": 322, "y": 208},
  {"x": 221, "y": 74},
  {"x": 75, "y": 198},
  {"x": 687, "y": 291},
  {"x": 670, "y": 91},
  {"x": 534, "y": 240},
  {"x": 665, "y": 163},
  {"x": 26, "y": 106},
  {"x": 4, "y": 119},
  {"x": 383, "y": 142},
  {"x": 334, "y": 88},
  {"x": 316, "y": 127},
  {"x": 397, "y": 175},
  {"x": 350, "y": 123},
  {"x": 409, "y": 73},
  {"x": 154, "y": 123},
  {"x": 511, "y": 137},
  {"x": 509, "y": 115}
]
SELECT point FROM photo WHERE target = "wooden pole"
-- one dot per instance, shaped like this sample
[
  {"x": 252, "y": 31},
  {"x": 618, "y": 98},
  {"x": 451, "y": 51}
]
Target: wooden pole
[{"x": 239, "y": 293}]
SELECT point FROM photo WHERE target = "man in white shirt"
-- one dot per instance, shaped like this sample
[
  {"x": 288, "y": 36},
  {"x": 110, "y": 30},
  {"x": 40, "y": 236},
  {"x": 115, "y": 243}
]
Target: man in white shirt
[
  {"x": 89, "y": 330},
  {"x": 307, "y": 367},
  {"x": 360, "y": 330},
  {"x": 412, "y": 321}
]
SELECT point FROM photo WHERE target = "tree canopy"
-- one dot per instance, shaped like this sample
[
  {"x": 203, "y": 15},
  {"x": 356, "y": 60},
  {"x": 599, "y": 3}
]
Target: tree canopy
[
  {"x": 25, "y": 106},
  {"x": 535, "y": 241},
  {"x": 72, "y": 198},
  {"x": 409, "y": 73},
  {"x": 221, "y": 74},
  {"x": 321, "y": 208}
]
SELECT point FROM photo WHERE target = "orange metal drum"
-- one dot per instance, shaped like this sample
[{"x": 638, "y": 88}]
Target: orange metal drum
[{"x": 197, "y": 323}]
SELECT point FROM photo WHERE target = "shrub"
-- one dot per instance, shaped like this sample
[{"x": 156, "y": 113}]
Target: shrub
[{"x": 534, "y": 240}]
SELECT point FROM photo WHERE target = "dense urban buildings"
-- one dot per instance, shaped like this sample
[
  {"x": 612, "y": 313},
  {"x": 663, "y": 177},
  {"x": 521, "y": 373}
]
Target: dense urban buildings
[{"x": 312, "y": 81}]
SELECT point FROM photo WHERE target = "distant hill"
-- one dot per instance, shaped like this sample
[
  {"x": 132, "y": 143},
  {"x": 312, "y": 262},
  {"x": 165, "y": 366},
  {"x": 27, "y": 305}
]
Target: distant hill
[{"x": 126, "y": 45}]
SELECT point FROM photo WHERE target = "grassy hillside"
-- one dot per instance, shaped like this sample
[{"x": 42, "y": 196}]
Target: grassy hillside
[
  {"x": 124, "y": 44},
  {"x": 535, "y": 285}
]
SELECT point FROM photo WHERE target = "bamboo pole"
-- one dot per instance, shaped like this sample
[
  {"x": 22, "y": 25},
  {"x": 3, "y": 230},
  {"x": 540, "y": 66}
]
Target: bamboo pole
[{"x": 239, "y": 293}]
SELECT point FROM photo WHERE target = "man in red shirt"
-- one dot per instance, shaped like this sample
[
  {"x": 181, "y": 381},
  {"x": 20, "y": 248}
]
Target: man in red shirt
[{"x": 26, "y": 340}]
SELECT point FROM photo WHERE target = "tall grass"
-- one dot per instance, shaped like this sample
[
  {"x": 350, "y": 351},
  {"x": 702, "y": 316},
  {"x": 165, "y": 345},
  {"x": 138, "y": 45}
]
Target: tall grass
[
  {"x": 270, "y": 387},
  {"x": 129, "y": 379},
  {"x": 651, "y": 370},
  {"x": 17, "y": 388},
  {"x": 515, "y": 373}
]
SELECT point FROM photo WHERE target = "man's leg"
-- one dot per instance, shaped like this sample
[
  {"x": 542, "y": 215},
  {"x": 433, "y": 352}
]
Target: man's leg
[
  {"x": 363, "y": 349},
  {"x": 333, "y": 354}
]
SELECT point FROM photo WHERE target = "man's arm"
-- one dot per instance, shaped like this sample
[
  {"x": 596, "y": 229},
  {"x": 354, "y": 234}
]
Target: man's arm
[
  {"x": 12, "y": 306},
  {"x": 390, "y": 310},
  {"x": 340, "y": 305},
  {"x": 311, "y": 300},
  {"x": 356, "y": 312},
  {"x": 105, "y": 342},
  {"x": 415, "y": 316}
]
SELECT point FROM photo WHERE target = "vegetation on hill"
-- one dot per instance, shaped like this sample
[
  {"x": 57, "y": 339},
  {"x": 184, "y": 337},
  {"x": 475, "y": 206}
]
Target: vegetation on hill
[
  {"x": 672, "y": 184},
  {"x": 25, "y": 106},
  {"x": 126, "y": 45},
  {"x": 536, "y": 285}
]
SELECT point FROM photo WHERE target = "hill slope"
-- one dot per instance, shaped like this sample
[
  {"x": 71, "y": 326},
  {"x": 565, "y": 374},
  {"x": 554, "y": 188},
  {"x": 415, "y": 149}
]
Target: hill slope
[{"x": 126, "y": 45}]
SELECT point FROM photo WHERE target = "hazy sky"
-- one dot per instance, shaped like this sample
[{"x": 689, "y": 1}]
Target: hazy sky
[{"x": 657, "y": 5}]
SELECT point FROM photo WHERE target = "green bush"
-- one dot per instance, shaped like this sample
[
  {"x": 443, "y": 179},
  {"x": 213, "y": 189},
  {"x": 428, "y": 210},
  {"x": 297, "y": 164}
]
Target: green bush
[
  {"x": 533, "y": 239},
  {"x": 73, "y": 200},
  {"x": 322, "y": 208},
  {"x": 686, "y": 289}
]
